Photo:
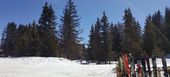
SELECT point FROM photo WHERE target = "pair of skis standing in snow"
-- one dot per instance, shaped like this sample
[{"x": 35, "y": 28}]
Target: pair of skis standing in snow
[
  {"x": 122, "y": 67},
  {"x": 142, "y": 70}
]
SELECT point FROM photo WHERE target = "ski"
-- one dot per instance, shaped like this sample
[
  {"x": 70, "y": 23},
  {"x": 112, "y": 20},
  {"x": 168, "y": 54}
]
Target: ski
[
  {"x": 148, "y": 66},
  {"x": 154, "y": 67},
  {"x": 132, "y": 68},
  {"x": 164, "y": 66},
  {"x": 144, "y": 67}
]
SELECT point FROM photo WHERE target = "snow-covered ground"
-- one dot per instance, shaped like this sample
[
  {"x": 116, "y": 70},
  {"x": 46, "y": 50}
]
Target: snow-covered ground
[
  {"x": 55, "y": 67},
  {"x": 51, "y": 67}
]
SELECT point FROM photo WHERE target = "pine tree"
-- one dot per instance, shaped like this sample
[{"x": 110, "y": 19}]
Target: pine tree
[
  {"x": 132, "y": 37},
  {"x": 167, "y": 23},
  {"x": 166, "y": 28},
  {"x": 157, "y": 20},
  {"x": 2, "y": 53},
  {"x": 69, "y": 32},
  {"x": 95, "y": 51},
  {"x": 116, "y": 34},
  {"x": 155, "y": 42},
  {"x": 34, "y": 44},
  {"x": 98, "y": 42},
  {"x": 162, "y": 41},
  {"x": 106, "y": 40},
  {"x": 9, "y": 38},
  {"x": 47, "y": 31},
  {"x": 149, "y": 36},
  {"x": 22, "y": 41},
  {"x": 91, "y": 51}
]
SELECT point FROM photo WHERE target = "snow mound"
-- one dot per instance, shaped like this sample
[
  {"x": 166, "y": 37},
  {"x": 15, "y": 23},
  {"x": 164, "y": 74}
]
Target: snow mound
[
  {"x": 36, "y": 60},
  {"x": 51, "y": 67}
]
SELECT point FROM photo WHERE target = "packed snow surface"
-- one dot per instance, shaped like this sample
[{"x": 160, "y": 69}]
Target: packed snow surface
[
  {"x": 52, "y": 67},
  {"x": 56, "y": 67}
]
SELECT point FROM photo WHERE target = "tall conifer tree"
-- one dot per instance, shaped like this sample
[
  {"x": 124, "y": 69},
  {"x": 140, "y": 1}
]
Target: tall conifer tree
[
  {"x": 132, "y": 40},
  {"x": 9, "y": 38},
  {"x": 69, "y": 32},
  {"x": 47, "y": 31},
  {"x": 106, "y": 40},
  {"x": 149, "y": 36}
]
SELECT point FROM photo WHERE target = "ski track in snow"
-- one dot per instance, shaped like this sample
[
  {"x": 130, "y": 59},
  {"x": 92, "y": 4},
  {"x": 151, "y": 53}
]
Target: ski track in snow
[{"x": 51, "y": 67}]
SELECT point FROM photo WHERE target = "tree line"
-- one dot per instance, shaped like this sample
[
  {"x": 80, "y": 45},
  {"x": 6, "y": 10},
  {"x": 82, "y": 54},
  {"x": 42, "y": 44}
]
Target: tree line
[
  {"x": 106, "y": 40},
  {"x": 42, "y": 38}
]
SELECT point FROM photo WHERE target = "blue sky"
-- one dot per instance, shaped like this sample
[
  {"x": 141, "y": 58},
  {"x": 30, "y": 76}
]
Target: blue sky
[{"x": 25, "y": 11}]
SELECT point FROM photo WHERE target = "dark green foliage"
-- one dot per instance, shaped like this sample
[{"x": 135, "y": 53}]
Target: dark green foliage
[
  {"x": 47, "y": 20},
  {"x": 32, "y": 39},
  {"x": 9, "y": 39},
  {"x": 161, "y": 28},
  {"x": 149, "y": 36},
  {"x": 166, "y": 29},
  {"x": 167, "y": 23},
  {"x": 132, "y": 35},
  {"x": 95, "y": 43},
  {"x": 97, "y": 47},
  {"x": 47, "y": 32},
  {"x": 116, "y": 35},
  {"x": 100, "y": 43},
  {"x": 26, "y": 41},
  {"x": 106, "y": 40},
  {"x": 155, "y": 41},
  {"x": 22, "y": 41},
  {"x": 157, "y": 20},
  {"x": 35, "y": 42},
  {"x": 157, "y": 52},
  {"x": 69, "y": 32},
  {"x": 91, "y": 55}
]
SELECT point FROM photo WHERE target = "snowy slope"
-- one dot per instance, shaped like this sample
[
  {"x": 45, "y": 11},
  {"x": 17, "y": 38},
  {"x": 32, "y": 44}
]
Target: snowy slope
[
  {"x": 55, "y": 67},
  {"x": 51, "y": 67}
]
